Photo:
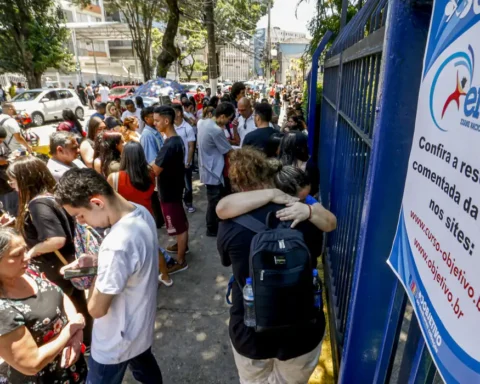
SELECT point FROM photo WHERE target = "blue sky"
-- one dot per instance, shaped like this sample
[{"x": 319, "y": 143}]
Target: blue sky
[{"x": 283, "y": 15}]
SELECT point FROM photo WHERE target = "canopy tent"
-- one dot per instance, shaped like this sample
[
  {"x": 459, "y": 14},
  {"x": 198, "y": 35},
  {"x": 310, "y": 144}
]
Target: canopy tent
[
  {"x": 107, "y": 30},
  {"x": 101, "y": 31}
]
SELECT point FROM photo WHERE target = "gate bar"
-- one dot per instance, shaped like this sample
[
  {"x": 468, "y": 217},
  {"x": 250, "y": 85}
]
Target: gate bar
[{"x": 312, "y": 87}]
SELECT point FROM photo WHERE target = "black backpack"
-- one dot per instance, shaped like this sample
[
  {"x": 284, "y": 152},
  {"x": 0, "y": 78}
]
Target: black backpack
[{"x": 281, "y": 272}]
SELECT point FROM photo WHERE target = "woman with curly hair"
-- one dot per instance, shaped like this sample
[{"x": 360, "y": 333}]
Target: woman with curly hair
[
  {"x": 293, "y": 351},
  {"x": 108, "y": 150},
  {"x": 129, "y": 130}
]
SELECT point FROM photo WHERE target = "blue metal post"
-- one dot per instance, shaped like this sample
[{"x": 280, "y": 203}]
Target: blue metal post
[
  {"x": 373, "y": 282},
  {"x": 312, "y": 90}
]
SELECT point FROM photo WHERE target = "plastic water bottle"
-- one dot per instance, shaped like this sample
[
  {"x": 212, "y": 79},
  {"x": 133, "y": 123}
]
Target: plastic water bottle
[
  {"x": 317, "y": 291},
  {"x": 249, "y": 306}
]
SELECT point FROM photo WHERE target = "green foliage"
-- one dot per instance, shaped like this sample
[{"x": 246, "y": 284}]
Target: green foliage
[
  {"x": 275, "y": 66},
  {"x": 195, "y": 37},
  {"x": 32, "y": 39},
  {"x": 327, "y": 17},
  {"x": 305, "y": 97},
  {"x": 236, "y": 20}
]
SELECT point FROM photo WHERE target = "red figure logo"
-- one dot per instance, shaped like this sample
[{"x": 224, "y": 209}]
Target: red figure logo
[{"x": 455, "y": 96}]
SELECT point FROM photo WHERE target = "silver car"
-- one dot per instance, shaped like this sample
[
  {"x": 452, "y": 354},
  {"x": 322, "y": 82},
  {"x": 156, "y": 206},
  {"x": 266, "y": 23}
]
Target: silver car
[{"x": 47, "y": 104}]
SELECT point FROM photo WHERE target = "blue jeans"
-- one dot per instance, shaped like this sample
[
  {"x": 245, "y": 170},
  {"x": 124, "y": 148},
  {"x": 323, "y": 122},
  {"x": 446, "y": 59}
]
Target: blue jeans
[{"x": 144, "y": 368}]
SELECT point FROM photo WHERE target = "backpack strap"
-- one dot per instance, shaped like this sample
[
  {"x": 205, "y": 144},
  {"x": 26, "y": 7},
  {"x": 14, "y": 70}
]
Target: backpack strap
[
  {"x": 11, "y": 137},
  {"x": 251, "y": 223}
]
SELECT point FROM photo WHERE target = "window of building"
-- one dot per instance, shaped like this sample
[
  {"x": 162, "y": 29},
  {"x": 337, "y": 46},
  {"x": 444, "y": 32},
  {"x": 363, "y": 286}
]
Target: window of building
[
  {"x": 68, "y": 16},
  {"x": 82, "y": 18}
]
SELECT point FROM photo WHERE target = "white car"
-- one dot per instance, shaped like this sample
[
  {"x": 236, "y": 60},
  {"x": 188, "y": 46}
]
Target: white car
[{"x": 48, "y": 104}]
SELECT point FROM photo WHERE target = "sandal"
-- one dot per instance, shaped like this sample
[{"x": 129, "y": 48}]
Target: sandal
[{"x": 167, "y": 284}]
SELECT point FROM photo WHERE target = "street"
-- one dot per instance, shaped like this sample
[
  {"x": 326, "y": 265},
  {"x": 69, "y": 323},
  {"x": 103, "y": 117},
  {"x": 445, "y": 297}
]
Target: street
[{"x": 47, "y": 129}]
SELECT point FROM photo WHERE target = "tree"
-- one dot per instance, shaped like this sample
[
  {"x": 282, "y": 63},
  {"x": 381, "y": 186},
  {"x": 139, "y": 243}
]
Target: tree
[
  {"x": 139, "y": 15},
  {"x": 275, "y": 65},
  {"x": 32, "y": 39},
  {"x": 327, "y": 17},
  {"x": 170, "y": 52},
  {"x": 195, "y": 40}
]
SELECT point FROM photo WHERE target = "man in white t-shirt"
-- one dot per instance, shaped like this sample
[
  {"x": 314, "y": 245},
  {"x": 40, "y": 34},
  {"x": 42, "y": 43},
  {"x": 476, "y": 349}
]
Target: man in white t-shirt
[
  {"x": 132, "y": 110},
  {"x": 14, "y": 140},
  {"x": 104, "y": 91},
  {"x": 123, "y": 297},
  {"x": 187, "y": 133},
  {"x": 246, "y": 121}
]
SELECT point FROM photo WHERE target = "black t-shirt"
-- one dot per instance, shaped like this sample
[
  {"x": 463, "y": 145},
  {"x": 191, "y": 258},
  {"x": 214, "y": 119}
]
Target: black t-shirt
[
  {"x": 46, "y": 219},
  {"x": 233, "y": 244},
  {"x": 312, "y": 171},
  {"x": 171, "y": 180},
  {"x": 259, "y": 138}
]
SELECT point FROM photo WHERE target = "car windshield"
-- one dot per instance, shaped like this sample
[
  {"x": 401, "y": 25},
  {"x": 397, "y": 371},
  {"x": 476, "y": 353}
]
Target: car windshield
[
  {"x": 118, "y": 91},
  {"x": 192, "y": 88},
  {"x": 27, "y": 96}
]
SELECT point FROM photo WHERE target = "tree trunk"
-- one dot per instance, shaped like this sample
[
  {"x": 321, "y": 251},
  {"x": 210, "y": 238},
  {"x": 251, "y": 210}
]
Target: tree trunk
[
  {"x": 34, "y": 80},
  {"x": 170, "y": 52}
]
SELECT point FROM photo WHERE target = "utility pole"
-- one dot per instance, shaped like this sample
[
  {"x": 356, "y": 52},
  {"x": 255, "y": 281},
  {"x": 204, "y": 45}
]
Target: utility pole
[
  {"x": 269, "y": 46},
  {"x": 212, "y": 52}
]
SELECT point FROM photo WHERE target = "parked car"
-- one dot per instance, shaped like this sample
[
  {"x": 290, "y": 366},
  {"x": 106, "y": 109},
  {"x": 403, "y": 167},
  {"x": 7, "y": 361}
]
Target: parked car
[
  {"x": 47, "y": 104},
  {"x": 120, "y": 91},
  {"x": 227, "y": 86},
  {"x": 191, "y": 89}
]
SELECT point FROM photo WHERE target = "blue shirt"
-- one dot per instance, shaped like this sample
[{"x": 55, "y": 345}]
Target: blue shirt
[
  {"x": 96, "y": 114},
  {"x": 152, "y": 142},
  {"x": 309, "y": 200}
]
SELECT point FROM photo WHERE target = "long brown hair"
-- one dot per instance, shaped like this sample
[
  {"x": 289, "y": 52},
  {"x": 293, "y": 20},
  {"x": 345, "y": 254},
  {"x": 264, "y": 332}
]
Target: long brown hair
[
  {"x": 106, "y": 149},
  {"x": 33, "y": 179},
  {"x": 93, "y": 125}
]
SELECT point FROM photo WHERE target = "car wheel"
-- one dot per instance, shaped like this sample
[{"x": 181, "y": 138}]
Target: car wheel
[
  {"x": 38, "y": 119},
  {"x": 79, "y": 113}
]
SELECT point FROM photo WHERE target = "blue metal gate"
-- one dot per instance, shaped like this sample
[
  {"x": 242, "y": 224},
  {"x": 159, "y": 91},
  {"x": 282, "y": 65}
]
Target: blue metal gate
[{"x": 371, "y": 80}]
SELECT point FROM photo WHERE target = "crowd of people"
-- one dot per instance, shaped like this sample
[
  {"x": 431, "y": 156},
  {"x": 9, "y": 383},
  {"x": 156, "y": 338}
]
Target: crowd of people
[{"x": 95, "y": 208}]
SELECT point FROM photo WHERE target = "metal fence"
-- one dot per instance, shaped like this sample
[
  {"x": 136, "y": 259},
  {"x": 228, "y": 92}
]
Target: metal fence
[
  {"x": 352, "y": 70},
  {"x": 372, "y": 75}
]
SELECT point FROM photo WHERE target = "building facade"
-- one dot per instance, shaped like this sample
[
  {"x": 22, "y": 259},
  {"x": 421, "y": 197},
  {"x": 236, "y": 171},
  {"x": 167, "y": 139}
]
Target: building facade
[
  {"x": 277, "y": 36},
  {"x": 235, "y": 63},
  {"x": 110, "y": 59}
]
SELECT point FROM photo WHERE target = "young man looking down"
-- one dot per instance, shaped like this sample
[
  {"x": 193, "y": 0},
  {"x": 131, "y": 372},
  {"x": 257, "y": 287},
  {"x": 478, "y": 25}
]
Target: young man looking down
[
  {"x": 169, "y": 167},
  {"x": 260, "y": 137},
  {"x": 123, "y": 297}
]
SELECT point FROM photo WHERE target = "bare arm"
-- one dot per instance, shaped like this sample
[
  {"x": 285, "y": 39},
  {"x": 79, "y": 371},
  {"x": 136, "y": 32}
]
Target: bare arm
[
  {"x": 236, "y": 137},
  {"x": 97, "y": 165},
  {"x": 86, "y": 151},
  {"x": 52, "y": 244},
  {"x": 156, "y": 169},
  {"x": 22, "y": 141},
  {"x": 110, "y": 179},
  {"x": 240, "y": 203},
  {"x": 191, "y": 150},
  {"x": 20, "y": 351},
  {"x": 322, "y": 218},
  {"x": 98, "y": 303}
]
